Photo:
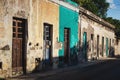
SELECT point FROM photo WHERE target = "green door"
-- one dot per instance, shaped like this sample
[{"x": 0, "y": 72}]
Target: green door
[
  {"x": 85, "y": 45},
  {"x": 106, "y": 46}
]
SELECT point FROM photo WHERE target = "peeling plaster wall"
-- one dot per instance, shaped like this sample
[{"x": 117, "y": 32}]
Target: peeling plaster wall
[
  {"x": 8, "y": 10},
  {"x": 117, "y": 47},
  {"x": 36, "y": 12},
  {"x": 92, "y": 27},
  {"x": 49, "y": 13},
  {"x": 33, "y": 51}
]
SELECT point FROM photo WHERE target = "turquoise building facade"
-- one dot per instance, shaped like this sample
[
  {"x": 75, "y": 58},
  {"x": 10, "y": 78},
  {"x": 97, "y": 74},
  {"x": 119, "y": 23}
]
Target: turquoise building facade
[
  {"x": 68, "y": 19},
  {"x": 71, "y": 2}
]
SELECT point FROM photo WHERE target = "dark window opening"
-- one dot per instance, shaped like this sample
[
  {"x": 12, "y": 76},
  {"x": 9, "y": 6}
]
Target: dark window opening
[
  {"x": 19, "y": 29},
  {"x": 19, "y": 24},
  {"x": 0, "y": 65},
  {"x": 19, "y": 35},
  {"x": 14, "y": 35},
  {"x": 14, "y": 23},
  {"x": 47, "y": 31},
  {"x": 14, "y": 29}
]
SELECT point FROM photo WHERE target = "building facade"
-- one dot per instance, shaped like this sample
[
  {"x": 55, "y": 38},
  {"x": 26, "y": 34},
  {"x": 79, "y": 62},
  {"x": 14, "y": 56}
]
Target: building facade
[
  {"x": 14, "y": 16},
  {"x": 117, "y": 47},
  {"x": 45, "y": 34},
  {"x": 68, "y": 32},
  {"x": 97, "y": 36},
  {"x": 29, "y": 35},
  {"x": 32, "y": 34}
]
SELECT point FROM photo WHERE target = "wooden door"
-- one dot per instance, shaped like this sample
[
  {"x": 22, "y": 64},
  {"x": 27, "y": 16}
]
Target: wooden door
[
  {"x": 92, "y": 45},
  {"x": 17, "y": 44},
  {"x": 97, "y": 45},
  {"x": 66, "y": 45},
  {"x": 102, "y": 46}
]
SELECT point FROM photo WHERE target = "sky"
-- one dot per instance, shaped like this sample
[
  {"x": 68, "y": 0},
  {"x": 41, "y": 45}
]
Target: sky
[{"x": 114, "y": 9}]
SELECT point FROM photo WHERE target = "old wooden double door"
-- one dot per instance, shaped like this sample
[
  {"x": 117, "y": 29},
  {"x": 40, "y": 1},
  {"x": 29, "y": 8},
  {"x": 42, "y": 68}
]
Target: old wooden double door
[{"x": 18, "y": 45}]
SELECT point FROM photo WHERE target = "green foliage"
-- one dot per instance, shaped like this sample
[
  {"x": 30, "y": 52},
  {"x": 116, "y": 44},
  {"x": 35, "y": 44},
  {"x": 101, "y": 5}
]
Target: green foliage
[
  {"x": 98, "y": 7},
  {"x": 116, "y": 23}
]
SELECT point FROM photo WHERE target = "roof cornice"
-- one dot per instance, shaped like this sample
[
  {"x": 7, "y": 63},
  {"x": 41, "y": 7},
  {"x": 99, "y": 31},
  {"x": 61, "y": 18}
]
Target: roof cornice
[
  {"x": 66, "y": 4},
  {"x": 93, "y": 17}
]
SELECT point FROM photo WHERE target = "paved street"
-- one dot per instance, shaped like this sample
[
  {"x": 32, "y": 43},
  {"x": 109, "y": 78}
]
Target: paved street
[
  {"x": 109, "y": 70},
  {"x": 96, "y": 70}
]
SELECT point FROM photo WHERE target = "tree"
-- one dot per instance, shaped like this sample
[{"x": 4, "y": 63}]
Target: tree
[
  {"x": 98, "y": 7},
  {"x": 116, "y": 23}
]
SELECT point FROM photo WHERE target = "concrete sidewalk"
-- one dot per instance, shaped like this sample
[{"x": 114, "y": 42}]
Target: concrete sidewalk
[{"x": 33, "y": 76}]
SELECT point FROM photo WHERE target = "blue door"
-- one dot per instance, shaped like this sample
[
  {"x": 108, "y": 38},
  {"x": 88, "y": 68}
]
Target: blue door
[
  {"x": 106, "y": 46},
  {"x": 47, "y": 44},
  {"x": 85, "y": 45}
]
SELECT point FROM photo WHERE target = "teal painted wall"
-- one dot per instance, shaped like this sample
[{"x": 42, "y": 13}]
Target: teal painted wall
[
  {"x": 68, "y": 19},
  {"x": 71, "y": 2}
]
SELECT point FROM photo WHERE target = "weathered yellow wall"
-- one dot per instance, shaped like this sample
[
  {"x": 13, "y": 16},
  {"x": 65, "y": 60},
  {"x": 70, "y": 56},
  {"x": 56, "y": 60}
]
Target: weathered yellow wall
[
  {"x": 36, "y": 12},
  {"x": 8, "y": 10},
  {"x": 33, "y": 51},
  {"x": 42, "y": 11},
  {"x": 49, "y": 13},
  {"x": 117, "y": 48}
]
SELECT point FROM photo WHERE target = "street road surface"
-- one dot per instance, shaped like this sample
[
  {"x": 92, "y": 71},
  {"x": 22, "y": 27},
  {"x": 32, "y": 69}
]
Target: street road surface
[{"x": 109, "y": 70}]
